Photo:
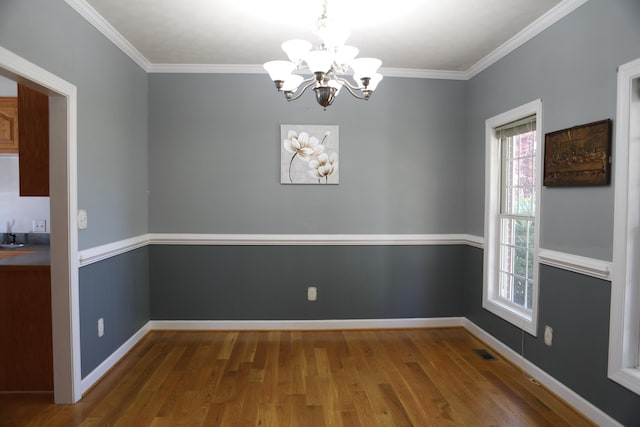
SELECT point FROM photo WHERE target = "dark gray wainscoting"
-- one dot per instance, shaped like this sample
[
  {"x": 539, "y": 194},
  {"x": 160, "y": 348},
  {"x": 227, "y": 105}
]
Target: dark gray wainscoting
[
  {"x": 270, "y": 282},
  {"x": 116, "y": 289}
]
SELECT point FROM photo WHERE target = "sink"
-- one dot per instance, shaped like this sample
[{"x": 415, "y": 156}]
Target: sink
[{"x": 11, "y": 245}]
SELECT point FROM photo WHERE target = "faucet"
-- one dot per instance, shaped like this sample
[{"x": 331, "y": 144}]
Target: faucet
[{"x": 13, "y": 238}]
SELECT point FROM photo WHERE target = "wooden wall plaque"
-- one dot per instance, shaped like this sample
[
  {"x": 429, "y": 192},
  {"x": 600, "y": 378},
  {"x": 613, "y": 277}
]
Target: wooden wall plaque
[{"x": 578, "y": 156}]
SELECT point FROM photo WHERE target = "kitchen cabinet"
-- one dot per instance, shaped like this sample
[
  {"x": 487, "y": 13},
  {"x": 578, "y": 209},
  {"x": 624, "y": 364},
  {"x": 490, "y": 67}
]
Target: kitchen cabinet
[
  {"x": 33, "y": 134},
  {"x": 26, "y": 358},
  {"x": 8, "y": 125}
]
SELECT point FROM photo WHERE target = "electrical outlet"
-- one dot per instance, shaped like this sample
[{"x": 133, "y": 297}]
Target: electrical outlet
[
  {"x": 39, "y": 226},
  {"x": 100, "y": 327},
  {"x": 312, "y": 293},
  {"x": 548, "y": 335}
]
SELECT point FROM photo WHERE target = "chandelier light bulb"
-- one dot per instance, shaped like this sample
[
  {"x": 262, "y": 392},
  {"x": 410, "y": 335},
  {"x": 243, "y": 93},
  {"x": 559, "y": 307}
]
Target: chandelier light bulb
[
  {"x": 292, "y": 82},
  {"x": 365, "y": 67},
  {"x": 346, "y": 54},
  {"x": 296, "y": 49},
  {"x": 319, "y": 61},
  {"x": 279, "y": 70}
]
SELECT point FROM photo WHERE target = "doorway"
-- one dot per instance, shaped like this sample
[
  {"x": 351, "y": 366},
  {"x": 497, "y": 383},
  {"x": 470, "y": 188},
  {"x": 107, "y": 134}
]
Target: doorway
[{"x": 63, "y": 205}]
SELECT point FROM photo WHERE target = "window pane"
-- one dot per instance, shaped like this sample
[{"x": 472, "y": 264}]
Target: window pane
[
  {"x": 508, "y": 232},
  {"x": 521, "y": 234},
  {"x": 525, "y": 201},
  {"x": 519, "y": 290},
  {"x": 520, "y": 263},
  {"x": 519, "y": 201},
  {"x": 529, "y": 295},
  {"x": 524, "y": 144},
  {"x": 506, "y": 286},
  {"x": 526, "y": 172},
  {"x": 532, "y": 234}
]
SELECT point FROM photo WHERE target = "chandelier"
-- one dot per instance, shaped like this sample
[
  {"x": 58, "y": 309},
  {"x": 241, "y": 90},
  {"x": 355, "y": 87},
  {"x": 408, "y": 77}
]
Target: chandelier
[{"x": 328, "y": 63}]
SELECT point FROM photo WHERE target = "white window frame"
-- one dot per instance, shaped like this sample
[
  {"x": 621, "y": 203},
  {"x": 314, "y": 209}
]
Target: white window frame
[
  {"x": 624, "y": 332},
  {"x": 527, "y": 321}
]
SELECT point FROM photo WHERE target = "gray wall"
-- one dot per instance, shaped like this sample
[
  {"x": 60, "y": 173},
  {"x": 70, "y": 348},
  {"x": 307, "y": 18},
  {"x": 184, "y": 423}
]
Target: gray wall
[
  {"x": 270, "y": 282},
  {"x": 118, "y": 291},
  {"x": 112, "y": 111},
  {"x": 572, "y": 67},
  {"x": 214, "y": 155}
]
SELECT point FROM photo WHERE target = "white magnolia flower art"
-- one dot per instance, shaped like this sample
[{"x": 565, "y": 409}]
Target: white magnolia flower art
[{"x": 309, "y": 154}]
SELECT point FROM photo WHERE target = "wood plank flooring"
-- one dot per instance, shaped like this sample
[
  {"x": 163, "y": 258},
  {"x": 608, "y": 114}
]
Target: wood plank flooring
[{"x": 419, "y": 377}]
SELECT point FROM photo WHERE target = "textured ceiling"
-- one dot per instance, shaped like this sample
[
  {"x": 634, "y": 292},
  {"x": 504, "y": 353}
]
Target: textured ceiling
[{"x": 450, "y": 35}]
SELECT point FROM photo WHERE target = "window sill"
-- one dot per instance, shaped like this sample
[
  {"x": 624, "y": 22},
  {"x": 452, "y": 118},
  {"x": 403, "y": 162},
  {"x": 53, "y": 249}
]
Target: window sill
[
  {"x": 627, "y": 377},
  {"x": 524, "y": 321}
]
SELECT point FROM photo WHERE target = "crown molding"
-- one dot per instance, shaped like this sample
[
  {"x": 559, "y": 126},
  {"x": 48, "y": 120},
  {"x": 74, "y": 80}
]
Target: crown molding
[
  {"x": 413, "y": 73},
  {"x": 207, "y": 69},
  {"x": 94, "y": 18},
  {"x": 551, "y": 17},
  {"x": 258, "y": 69},
  {"x": 561, "y": 10}
]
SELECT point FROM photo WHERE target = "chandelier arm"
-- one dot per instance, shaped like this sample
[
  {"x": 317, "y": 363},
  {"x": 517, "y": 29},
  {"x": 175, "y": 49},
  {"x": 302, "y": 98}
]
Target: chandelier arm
[
  {"x": 345, "y": 84},
  {"x": 310, "y": 82}
]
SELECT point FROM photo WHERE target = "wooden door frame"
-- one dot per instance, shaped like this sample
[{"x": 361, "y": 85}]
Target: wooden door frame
[{"x": 63, "y": 206}]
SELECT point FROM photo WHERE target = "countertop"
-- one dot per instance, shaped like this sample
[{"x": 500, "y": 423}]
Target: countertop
[{"x": 40, "y": 256}]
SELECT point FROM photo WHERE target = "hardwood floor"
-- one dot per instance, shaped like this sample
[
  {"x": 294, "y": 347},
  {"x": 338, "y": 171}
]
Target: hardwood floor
[{"x": 420, "y": 377}]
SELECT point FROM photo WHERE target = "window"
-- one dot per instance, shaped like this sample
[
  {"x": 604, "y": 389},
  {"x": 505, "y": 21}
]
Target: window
[
  {"x": 512, "y": 189},
  {"x": 624, "y": 334}
]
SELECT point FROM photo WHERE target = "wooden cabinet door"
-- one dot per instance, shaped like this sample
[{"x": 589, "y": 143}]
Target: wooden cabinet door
[
  {"x": 33, "y": 111},
  {"x": 26, "y": 344},
  {"x": 8, "y": 125}
]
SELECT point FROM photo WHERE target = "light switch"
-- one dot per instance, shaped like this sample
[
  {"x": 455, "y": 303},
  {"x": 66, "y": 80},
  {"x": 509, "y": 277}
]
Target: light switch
[{"x": 82, "y": 219}]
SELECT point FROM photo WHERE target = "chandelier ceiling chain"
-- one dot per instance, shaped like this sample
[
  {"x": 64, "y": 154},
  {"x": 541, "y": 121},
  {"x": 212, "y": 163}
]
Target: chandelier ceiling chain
[{"x": 328, "y": 63}]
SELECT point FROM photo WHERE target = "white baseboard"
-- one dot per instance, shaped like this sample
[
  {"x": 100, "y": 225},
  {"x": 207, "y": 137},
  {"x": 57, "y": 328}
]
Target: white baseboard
[
  {"x": 299, "y": 325},
  {"x": 88, "y": 381},
  {"x": 572, "y": 398}
]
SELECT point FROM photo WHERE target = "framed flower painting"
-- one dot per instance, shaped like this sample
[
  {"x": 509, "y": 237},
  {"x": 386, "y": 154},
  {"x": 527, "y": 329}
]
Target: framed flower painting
[{"x": 309, "y": 154}]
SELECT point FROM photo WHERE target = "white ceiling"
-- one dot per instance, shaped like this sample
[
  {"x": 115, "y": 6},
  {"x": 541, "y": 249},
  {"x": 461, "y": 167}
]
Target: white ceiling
[{"x": 412, "y": 35}]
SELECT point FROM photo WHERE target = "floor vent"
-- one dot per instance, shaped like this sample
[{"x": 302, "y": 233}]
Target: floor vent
[{"x": 484, "y": 354}]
